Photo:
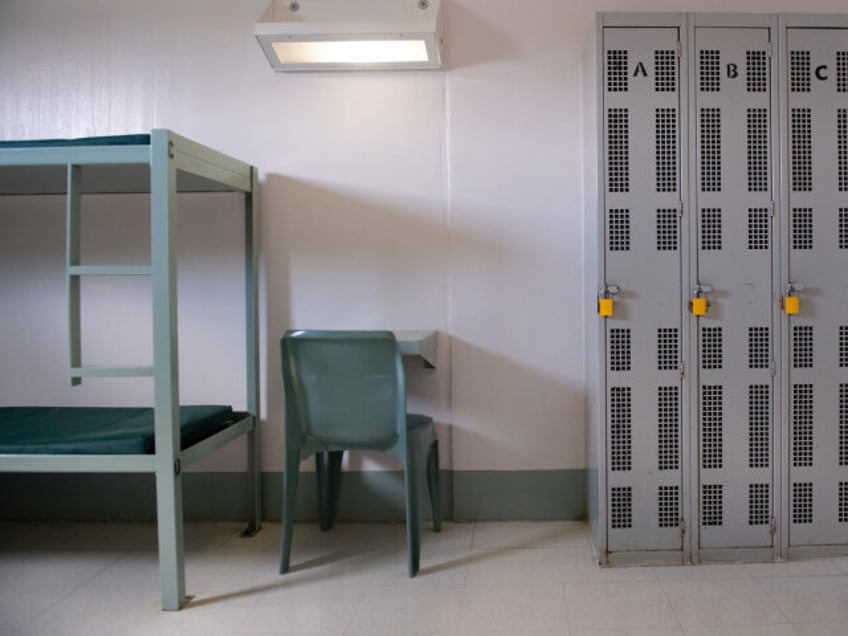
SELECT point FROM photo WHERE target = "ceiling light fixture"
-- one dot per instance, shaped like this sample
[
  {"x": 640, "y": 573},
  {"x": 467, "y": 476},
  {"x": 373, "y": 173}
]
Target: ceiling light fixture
[{"x": 334, "y": 35}]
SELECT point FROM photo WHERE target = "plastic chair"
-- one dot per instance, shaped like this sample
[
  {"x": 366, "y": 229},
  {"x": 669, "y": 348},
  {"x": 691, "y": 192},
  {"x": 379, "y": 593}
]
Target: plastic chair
[{"x": 345, "y": 390}]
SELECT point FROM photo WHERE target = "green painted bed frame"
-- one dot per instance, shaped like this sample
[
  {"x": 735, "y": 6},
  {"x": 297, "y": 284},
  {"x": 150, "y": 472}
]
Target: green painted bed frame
[{"x": 162, "y": 164}]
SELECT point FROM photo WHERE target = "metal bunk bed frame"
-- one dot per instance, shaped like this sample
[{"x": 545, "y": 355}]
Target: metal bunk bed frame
[{"x": 174, "y": 164}]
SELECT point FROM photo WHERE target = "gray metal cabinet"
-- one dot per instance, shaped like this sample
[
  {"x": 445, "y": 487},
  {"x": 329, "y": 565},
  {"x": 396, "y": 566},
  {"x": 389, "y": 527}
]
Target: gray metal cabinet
[
  {"x": 815, "y": 223},
  {"x": 717, "y": 185},
  {"x": 640, "y": 238},
  {"x": 734, "y": 154}
]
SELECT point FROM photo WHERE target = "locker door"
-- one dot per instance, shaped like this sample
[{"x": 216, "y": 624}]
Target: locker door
[
  {"x": 734, "y": 164},
  {"x": 818, "y": 261},
  {"x": 642, "y": 227}
]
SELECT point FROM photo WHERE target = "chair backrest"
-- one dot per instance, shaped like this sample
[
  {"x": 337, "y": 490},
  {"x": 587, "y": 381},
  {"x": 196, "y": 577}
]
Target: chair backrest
[{"x": 343, "y": 389}]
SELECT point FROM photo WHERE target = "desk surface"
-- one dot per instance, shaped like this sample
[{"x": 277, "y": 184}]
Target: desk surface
[{"x": 420, "y": 343}]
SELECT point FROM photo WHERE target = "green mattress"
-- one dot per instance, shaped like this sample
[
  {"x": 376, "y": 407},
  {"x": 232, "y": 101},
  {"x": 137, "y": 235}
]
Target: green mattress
[
  {"x": 112, "y": 140},
  {"x": 27, "y": 430}
]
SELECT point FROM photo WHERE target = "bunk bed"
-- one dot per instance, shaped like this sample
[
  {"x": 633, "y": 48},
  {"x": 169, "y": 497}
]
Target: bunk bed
[{"x": 165, "y": 438}]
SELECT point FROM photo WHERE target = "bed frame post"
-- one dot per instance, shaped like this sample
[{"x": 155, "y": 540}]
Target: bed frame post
[
  {"x": 169, "y": 490},
  {"x": 251, "y": 250},
  {"x": 72, "y": 258}
]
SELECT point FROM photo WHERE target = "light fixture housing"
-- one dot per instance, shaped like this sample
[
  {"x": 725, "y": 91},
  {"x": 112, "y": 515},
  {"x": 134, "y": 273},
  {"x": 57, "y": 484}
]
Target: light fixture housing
[{"x": 352, "y": 35}]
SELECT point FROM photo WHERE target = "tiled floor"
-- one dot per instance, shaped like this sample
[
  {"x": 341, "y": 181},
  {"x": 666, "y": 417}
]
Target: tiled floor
[{"x": 476, "y": 579}]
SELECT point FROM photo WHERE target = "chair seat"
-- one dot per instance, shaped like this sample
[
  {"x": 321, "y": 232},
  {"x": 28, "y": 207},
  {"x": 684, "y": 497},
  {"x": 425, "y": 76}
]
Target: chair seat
[{"x": 415, "y": 420}]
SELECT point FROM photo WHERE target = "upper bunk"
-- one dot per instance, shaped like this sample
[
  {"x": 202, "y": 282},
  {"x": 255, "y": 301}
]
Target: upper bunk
[{"x": 118, "y": 164}]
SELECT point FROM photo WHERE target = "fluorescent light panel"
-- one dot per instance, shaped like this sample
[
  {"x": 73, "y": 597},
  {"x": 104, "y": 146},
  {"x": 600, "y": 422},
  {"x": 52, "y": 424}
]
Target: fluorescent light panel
[
  {"x": 351, "y": 35},
  {"x": 351, "y": 52}
]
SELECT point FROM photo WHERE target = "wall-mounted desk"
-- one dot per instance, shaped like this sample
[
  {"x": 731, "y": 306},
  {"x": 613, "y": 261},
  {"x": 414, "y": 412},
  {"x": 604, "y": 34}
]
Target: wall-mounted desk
[{"x": 420, "y": 343}]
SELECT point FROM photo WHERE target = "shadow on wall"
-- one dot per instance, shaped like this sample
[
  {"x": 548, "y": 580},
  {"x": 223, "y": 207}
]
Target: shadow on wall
[
  {"x": 116, "y": 311},
  {"x": 547, "y": 432},
  {"x": 548, "y": 413},
  {"x": 488, "y": 44},
  {"x": 346, "y": 259}
]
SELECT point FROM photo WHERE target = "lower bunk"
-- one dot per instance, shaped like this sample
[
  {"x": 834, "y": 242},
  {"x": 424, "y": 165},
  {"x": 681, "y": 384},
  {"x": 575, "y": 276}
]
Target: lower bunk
[{"x": 123, "y": 439}]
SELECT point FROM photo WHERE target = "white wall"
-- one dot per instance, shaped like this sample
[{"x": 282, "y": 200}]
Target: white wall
[{"x": 447, "y": 200}]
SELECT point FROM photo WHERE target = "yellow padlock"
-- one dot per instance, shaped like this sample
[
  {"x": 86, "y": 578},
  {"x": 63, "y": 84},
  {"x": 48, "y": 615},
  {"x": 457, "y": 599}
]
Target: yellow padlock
[
  {"x": 699, "y": 306},
  {"x": 791, "y": 305},
  {"x": 605, "y": 307}
]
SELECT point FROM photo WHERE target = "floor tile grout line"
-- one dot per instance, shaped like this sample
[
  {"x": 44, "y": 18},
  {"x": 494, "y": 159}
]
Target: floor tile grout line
[{"x": 667, "y": 598}]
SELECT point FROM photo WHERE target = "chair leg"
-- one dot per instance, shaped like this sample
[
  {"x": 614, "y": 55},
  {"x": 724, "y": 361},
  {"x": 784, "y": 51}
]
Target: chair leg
[
  {"x": 322, "y": 470},
  {"x": 433, "y": 485},
  {"x": 335, "y": 480},
  {"x": 413, "y": 520},
  {"x": 290, "y": 479},
  {"x": 328, "y": 466}
]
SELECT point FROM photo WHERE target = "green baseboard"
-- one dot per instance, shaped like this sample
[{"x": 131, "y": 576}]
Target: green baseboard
[
  {"x": 363, "y": 496},
  {"x": 532, "y": 495}
]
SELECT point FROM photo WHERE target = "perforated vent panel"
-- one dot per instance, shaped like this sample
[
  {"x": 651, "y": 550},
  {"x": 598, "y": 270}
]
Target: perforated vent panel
[
  {"x": 618, "y": 150},
  {"x": 759, "y": 348},
  {"x": 621, "y": 430},
  {"x": 665, "y": 71},
  {"x": 712, "y": 426},
  {"x": 711, "y": 229},
  {"x": 621, "y": 507},
  {"x": 801, "y": 134},
  {"x": 712, "y": 348},
  {"x": 759, "y": 508},
  {"x": 802, "y": 502},
  {"x": 619, "y": 349},
  {"x": 758, "y": 229},
  {"x": 843, "y": 502},
  {"x": 668, "y": 358},
  {"x": 756, "y": 67},
  {"x": 668, "y": 414},
  {"x": 710, "y": 62},
  {"x": 843, "y": 424},
  {"x": 710, "y": 149},
  {"x": 842, "y": 71},
  {"x": 759, "y": 423},
  {"x": 802, "y": 425},
  {"x": 802, "y": 346},
  {"x": 799, "y": 71},
  {"x": 618, "y": 230},
  {"x": 668, "y": 506},
  {"x": 667, "y": 229},
  {"x": 618, "y": 79},
  {"x": 712, "y": 505},
  {"x": 842, "y": 147},
  {"x": 843, "y": 346},
  {"x": 666, "y": 123},
  {"x": 758, "y": 159},
  {"x": 802, "y": 228},
  {"x": 843, "y": 228}
]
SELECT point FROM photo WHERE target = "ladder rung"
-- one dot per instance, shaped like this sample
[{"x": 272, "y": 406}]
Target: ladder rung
[
  {"x": 110, "y": 372},
  {"x": 109, "y": 270}
]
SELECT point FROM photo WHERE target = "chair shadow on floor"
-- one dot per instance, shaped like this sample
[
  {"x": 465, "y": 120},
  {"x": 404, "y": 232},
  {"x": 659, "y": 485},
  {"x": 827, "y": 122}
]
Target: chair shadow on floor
[{"x": 317, "y": 568}]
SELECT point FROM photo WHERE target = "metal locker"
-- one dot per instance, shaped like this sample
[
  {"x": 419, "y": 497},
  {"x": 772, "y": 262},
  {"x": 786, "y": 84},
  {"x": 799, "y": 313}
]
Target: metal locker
[
  {"x": 734, "y": 251},
  {"x": 641, "y": 295},
  {"x": 721, "y": 432},
  {"x": 816, "y": 231}
]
